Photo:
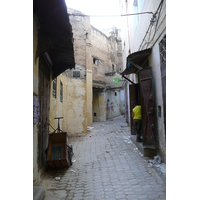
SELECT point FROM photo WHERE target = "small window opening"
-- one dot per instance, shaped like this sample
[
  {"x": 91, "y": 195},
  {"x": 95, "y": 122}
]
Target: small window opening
[
  {"x": 159, "y": 111},
  {"x": 86, "y": 35},
  {"x": 54, "y": 87},
  {"x": 95, "y": 114},
  {"x": 61, "y": 92},
  {"x": 115, "y": 93},
  {"x": 162, "y": 46},
  {"x": 113, "y": 67},
  {"x": 95, "y": 61},
  {"x": 76, "y": 74}
]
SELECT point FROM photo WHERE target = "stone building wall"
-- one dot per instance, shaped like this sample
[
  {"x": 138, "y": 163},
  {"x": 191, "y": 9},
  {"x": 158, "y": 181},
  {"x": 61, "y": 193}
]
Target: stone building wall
[
  {"x": 97, "y": 62},
  {"x": 76, "y": 94},
  {"x": 107, "y": 61}
]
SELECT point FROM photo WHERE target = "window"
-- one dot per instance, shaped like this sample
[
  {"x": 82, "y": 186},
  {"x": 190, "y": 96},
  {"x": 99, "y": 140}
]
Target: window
[
  {"x": 61, "y": 92},
  {"x": 76, "y": 74},
  {"x": 95, "y": 61},
  {"x": 54, "y": 87},
  {"x": 113, "y": 67},
  {"x": 162, "y": 46},
  {"x": 159, "y": 111},
  {"x": 115, "y": 93},
  {"x": 135, "y": 10}
]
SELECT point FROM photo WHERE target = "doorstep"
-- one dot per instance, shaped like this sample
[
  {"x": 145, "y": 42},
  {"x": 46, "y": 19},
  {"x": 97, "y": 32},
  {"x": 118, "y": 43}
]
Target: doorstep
[
  {"x": 147, "y": 152},
  {"x": 38, "y": 193}
]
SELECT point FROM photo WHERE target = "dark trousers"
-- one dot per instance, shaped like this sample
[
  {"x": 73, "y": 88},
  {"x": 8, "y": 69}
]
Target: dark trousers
[{"x": 138, "y": 126}]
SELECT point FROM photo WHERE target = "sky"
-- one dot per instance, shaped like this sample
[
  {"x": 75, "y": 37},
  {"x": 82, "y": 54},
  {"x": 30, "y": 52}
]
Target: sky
[{"x": 98, "y": 7}]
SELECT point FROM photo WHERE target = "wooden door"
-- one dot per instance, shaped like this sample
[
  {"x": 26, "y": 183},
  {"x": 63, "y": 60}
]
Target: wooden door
[
  {"x": 132, "y": 105},
  {"x": 44, "y": 98},
  {"x": 147, "y": 103},
  {"x": 163, "y": 76},
  {"x": 162, "y": 47}
]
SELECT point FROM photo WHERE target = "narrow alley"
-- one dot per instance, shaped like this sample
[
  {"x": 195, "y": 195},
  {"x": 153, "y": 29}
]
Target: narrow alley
[{"x": 106, "y": 165}]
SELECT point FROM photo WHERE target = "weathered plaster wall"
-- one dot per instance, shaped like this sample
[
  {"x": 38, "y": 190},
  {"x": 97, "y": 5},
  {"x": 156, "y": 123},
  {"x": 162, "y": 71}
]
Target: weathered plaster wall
[
  {"x": 99, "y": 105},
  {"x": 72, "y": 108},
  {"x": 89, "y": 43},
  {"x": 82, "y": 43},
  {"x": 132, "y": 37},
  {"x": 100, "y": 51},
  {"x": 115, "y": 104},
  {"x": 154, "y": 62},
  {"x": 76, "y": 112},
  {"x": 89, "y": 96},
  {"x": 106, "y": 48},
  {"x": 57, "y": 108},
  {"x": 113, "y": 101},
  {"x": 89, "y": 81},
  {"x": 157, "y": 85},
  {"x": 122, "y": 102},
  {"x": 76, "y": 107}
]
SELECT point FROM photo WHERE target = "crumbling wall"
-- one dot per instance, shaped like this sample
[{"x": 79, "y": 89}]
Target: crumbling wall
[
  {"x": 106, "y": 47},
  {"x": 75, "y": 89}
]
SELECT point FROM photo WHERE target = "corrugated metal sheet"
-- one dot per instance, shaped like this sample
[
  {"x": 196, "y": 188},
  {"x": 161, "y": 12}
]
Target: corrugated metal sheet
[
  {"x": 54, "y": 34},
  {"x": 135, "y": 61}
]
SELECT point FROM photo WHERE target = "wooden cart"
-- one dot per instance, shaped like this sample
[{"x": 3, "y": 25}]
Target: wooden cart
[{"x": 59, "y": 154}]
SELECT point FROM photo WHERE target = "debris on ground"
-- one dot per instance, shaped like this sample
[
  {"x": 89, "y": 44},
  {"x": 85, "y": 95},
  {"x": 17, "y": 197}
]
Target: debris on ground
[
  {"x": 157, "y": 162},
  {"x": 89, "y": 128},
  {"x": 127, "y": 139},
  {"x": 141, "y": 154},
  {"x": 157, "y": 159}
]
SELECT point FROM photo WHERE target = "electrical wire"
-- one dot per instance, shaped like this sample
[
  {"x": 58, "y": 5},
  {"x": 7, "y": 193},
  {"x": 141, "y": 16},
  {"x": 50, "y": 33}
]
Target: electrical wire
[
  {"x": 160, "y": 6},
  {"x": 145, "y": 36},
  {"x": 150, "y": 26},
  {"x": 123, "y": 15}
]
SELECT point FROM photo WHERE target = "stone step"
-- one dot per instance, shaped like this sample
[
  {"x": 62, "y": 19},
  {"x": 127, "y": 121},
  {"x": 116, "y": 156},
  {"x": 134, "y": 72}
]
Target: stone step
[
  {"x": 147, "y": 152},
  {"x": 38, "y": 193}
]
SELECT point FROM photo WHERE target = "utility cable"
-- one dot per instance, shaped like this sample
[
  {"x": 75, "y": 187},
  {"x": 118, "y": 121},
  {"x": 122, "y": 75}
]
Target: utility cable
[
  {"x": 151, "y": 24},
  {"x": 123, "y": 15},
  {"x": 160, "y": 6}
]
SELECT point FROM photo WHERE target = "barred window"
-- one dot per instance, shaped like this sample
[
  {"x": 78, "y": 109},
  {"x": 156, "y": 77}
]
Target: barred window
[
  {"x": 54, "y": 87},
  {"x": 61, "y": 92},
  {"x": 162, "y": 46}
]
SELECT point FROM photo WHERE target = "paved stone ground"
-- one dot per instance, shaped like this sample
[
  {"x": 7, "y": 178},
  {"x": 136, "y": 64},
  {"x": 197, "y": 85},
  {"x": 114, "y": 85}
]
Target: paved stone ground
[{"x": 107, "y": 166}]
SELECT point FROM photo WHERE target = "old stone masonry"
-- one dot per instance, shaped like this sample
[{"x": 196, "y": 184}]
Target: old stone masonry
[{"x": 106, "y": 165}]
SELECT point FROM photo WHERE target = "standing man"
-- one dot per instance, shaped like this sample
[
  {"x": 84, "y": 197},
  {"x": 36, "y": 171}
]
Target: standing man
[{"x": 137, "y": 117}]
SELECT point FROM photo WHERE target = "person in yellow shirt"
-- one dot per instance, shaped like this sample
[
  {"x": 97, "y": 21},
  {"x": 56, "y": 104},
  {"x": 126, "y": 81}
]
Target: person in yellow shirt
[{"x": 137, "y": 118}]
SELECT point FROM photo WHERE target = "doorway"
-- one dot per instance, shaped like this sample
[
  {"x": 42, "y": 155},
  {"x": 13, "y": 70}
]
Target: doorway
[{"x": 44, "y": 98}]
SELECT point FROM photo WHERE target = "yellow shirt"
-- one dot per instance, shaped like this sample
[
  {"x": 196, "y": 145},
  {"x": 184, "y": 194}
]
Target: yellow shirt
[{"x": 137, "y": 112}]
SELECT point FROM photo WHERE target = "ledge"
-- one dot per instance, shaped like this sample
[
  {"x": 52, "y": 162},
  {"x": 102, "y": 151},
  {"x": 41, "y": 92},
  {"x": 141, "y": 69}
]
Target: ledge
[{"x": 147, "y": 152}]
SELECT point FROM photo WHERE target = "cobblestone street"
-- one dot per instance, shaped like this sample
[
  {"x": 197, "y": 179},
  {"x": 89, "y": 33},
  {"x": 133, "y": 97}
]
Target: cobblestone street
[{"x": 107, "y": 165}]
